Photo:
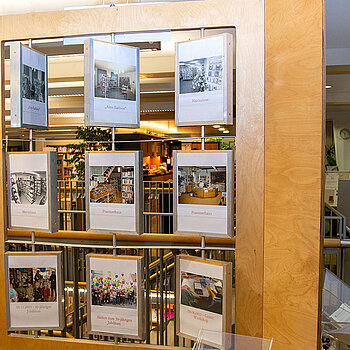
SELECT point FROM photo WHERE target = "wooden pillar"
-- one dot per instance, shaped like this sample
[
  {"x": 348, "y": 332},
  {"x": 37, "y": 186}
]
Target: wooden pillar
[{"x": 279, "y": 262}]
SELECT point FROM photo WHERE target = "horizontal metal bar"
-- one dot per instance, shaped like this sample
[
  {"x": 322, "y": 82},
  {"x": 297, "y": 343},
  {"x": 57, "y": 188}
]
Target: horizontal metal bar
[
  {"x": 333, "y": 217},
  {"x": 73, "y": 211},
  {"x": 155, "y": 245},
  {"x": 160, "y": 214}
]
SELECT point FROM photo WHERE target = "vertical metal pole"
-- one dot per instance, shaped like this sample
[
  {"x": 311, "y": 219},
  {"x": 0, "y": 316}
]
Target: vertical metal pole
[
  {"x": 113, "y": 138},
  {"x": 33, "y": 242},
  {"x": 203, "y": 248},
  {"x": 161, "y": 282},
  {"x": 114, "y": 244},
  {"x": 148, "y": 296},
  {"x": 203, "y": 148},
  {"x": 76, "y": 301}
]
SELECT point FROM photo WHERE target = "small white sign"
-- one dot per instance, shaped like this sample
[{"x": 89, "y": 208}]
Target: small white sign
[
  {"x": 204, "y": 81},
  {"x": 113, "y": 194},
  {"x": 112, "y": 85},
  {"x": 29, "y": 87}
]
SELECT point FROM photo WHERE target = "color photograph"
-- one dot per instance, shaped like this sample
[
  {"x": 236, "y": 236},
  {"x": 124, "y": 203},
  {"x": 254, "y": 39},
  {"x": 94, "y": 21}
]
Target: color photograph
[
  {"x": 201, "y": 75},
  {"x": 115, "y": 80},
  {"x": 113, "y": 288},
  {"x": 201, "y": 292},
  {"x": 33, "y": 84},
  {"x": 112, "y": 184},
  {"x": 29, "y": 187},
  {"x": 36, "y": 284},
  {"x": 202, "y": 185}
]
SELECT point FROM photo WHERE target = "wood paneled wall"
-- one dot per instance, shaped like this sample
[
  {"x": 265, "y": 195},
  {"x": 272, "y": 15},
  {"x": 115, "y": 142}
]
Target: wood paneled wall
[
  {"x": 279, "y": 152},
  {"x": 294, "y": 133}
]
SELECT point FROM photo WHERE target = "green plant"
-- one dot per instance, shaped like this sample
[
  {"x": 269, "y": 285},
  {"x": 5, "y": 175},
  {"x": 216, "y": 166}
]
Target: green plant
[
  {"x": 330, "y": 155},
  {"x": 93, "y": 139},
  {"x": 225, "y": 146}
]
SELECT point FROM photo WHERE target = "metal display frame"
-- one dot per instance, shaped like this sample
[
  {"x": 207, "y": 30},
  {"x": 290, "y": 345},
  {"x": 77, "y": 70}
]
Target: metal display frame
[
  {"x": 138, "y": 188},
  {"x": 229, "y": 191},
  {"x": 53, "y": 224},
  {"x": 59, "y": 290},
  {"x": 89, "y": 86},
  {"x": 226, "y": 293},
  {"x": 16, "y": 87},
  {"x": 227, "y": 80},
  {"x": 141, "y": 314}
]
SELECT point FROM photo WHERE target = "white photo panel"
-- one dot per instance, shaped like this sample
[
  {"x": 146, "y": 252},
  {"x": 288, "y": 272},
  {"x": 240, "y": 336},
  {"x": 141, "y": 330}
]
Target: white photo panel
[
  {"x": 203, "y": 193},
  {"x": 203, "y": 298},
  {"x": 204, "y": 81},
  {"x": 29, "y": 88},
  {"x": 112, "y": 85},
  {"x": 34, "y": 288},
  {"x": 114, "y": 199},
  {"x": 32, "y": 191},
  {"x": 115, "y": 295}
]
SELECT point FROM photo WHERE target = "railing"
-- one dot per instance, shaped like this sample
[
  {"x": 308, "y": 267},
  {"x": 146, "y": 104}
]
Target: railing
[
  {"x": 157, "y": 211},
  {"x": 334, "y": 223}
]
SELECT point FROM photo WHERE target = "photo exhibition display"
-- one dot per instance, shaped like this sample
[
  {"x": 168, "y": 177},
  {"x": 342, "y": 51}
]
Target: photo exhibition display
[
  {"x": 203, "y": 297},
  {"x": 112, "y": 85},
  {"x": 204, "y": 81},
  {"x": 29, "y": 88},
  {"x": 113, "y": 198},
  {"x": 32, "y": 191},
  {"x": 115, "y": 295},
  {"x": 203, "y": 193},
  {"x": 33, "y": 291}
]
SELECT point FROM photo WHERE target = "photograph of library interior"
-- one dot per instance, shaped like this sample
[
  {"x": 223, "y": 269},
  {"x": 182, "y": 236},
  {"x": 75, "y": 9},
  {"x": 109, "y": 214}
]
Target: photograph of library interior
[{"x": 222, "y": 135}]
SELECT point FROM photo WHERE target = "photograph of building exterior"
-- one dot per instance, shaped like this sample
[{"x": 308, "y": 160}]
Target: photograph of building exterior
[
  {"x": 112, "y": 184},
  {"x": 202, "y": 185},
  {"x": 33, "y": 84},
  {"x": 29, "y": 187},
  {"x": 115, "y": 80},
  {"x": 201, "y": 75}
]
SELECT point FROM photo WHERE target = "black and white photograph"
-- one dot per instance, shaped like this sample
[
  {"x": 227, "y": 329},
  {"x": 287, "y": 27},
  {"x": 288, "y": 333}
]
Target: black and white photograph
[
  {"x": 115, "y": 80},
  {"x": 201, "y": 75},
  {"x": 114, "y": 288},
  {"x": 33, "y": 83},
  {"x": 36, "y": 284},
  {"x": 201, "y": 185},
  {"x": 112, "y": 184},
  {"x": 201, "y": 292},
  {"x": 28, "y": 187}
]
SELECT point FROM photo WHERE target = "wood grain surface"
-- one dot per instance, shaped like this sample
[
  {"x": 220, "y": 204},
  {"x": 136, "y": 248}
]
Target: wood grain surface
[{"x": 294, "y": 136}]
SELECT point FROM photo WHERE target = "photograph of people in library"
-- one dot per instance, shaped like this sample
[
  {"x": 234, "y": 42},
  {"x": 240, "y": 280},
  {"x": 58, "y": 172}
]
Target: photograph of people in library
[
  {"x": 33, "y": 83},
  {"x": 114, "y": 289},
  {"x": 201, "y": 75},
  {"x": 115, "y": 80},
  {"x": 112, "y": 184},
  {"x": 37, "y": 284},
  {"x": 201, "y": 292},
  {"x": 28, "y": 187},
  {"x": 202, "y": 185}
]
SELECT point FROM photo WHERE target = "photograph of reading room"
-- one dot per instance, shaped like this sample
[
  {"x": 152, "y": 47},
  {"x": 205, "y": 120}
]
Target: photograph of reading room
[{"x": 202, "y": 185}]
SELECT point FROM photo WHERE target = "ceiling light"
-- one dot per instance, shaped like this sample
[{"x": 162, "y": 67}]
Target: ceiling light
[
  {"x": 221, "y": 129},
  {"x": 329, "y": 86},
  {"x": 216, "y": 126},
  {"x": 226, "y": 132}
]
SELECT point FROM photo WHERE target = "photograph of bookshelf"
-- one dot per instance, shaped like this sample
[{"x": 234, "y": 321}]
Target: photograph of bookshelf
[
  {"x": 112, "y": 184},
  {"x": 128, "y": 185},
  {"x": 28, "y": 188}
]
